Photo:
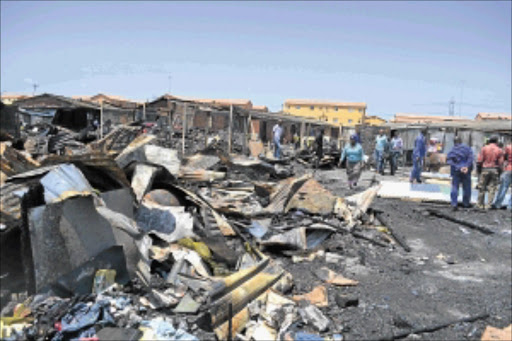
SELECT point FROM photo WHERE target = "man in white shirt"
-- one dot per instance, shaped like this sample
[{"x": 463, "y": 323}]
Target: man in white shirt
[{"x": 277, "y": 131}]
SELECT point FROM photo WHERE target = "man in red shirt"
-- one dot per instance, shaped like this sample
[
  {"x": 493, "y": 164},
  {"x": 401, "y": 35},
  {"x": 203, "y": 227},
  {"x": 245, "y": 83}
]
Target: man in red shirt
[
  {"x": 489, "y": 161},
  {"x": 505, "y": 180}
]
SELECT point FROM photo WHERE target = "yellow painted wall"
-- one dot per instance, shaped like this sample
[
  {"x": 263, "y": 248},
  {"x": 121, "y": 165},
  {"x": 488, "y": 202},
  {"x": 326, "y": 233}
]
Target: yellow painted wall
[
  {"x": 374, "y": 121},
  {"x": 343, "y": 115},
  {"x": 8, "y": 101}
]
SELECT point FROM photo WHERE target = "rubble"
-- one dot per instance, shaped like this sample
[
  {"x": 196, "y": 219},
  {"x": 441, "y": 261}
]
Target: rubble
[{"x": 125, "y": 238}]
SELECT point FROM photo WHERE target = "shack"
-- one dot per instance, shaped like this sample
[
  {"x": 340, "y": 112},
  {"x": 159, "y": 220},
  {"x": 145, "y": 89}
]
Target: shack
[{"x": 72, "y": 113}]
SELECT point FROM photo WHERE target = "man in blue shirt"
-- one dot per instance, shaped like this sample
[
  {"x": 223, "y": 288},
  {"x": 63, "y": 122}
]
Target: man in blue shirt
[
  {"x": 381, "y": 142},
  {"x": 418, "y": 156},
  {"x": 460, "y": 158},
  {"x": 277, "y": 131}
]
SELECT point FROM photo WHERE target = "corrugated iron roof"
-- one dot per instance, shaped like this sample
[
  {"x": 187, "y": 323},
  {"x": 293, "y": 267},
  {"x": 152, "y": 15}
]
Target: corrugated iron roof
[{"x": 76, "y": 103}]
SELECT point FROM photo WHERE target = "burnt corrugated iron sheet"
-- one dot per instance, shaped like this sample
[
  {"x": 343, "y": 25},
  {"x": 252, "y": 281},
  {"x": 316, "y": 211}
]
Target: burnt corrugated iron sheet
[
  {"x": 116, "y": 141},
  {"x": 88, "y": 163},
  {"x": 13, "y": 162},
  {"x": 10, "y": 204},
  {"x": 64, "y": 182}
]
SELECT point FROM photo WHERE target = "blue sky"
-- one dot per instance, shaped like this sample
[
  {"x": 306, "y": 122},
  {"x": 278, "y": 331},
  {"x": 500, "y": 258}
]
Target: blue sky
[{"x": 402, "y": 56}]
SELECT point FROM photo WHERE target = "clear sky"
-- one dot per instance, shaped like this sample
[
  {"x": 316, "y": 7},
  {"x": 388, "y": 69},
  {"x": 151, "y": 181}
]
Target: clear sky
[{"x": 410, "y": 57}]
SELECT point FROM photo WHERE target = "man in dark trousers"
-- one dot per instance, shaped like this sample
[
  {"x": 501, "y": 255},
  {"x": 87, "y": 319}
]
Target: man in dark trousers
[
  {"x": 418, "y": 156},
  {"x": 319, "y": 142},
  {"x": 489, "y": 161},
  {"x": 460, "y": 158}
]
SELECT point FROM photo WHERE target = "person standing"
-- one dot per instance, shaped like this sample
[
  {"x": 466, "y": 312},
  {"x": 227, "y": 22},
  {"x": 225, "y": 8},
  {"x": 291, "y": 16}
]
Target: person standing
[
  {"x": 296, "y": 141},
  {"x": 505, "y": 180},
  {"x": 277, "y": 131},
  {"x": 418, "y": 156},
  {"x": 319, "y": 143},
  {"x": 358, "y": 136},
  {"x": 397, "y": 146},
  {"x": 354, "y": 154},
  {"x": 460, "y": 159},
  {"x": 490, "y": 160},
  {"x": 381, "y": 142}
]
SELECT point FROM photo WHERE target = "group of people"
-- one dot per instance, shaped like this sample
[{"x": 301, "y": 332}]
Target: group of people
[
  {"x": 493, "y": 164},
  {"x": 494, "y": 168},
  {"x": 388, "y": 148}
]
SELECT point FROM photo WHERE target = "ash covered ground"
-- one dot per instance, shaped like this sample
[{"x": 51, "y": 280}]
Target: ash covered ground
[{"x": 451, "y": 271}]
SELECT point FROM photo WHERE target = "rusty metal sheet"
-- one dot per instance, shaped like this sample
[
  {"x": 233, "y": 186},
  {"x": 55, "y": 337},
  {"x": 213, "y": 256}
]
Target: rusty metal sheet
[
  {"x": 318, "y": 296},
  {"x": 116, "y": 140},
  {"x": 10, "y": 204},
  {"x": 313, "y": 198},
  {"x": 14, "y": 162},
  {"x": 283, "y": 193}
]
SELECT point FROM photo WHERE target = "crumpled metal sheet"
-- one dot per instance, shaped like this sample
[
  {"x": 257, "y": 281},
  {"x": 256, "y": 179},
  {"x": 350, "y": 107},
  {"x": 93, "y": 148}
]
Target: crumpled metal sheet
[
  {"x": 283, "y": 193},
  {"x": 224, "y": 227},
  {"x": 64, "y": 182},
  {"x": 153, "y": 155},
  {"x": 91, "y": 165},
  {"x": 313, "y": 198},
  {"x": 167, "y": 222},
  {"x": 65, "y": 235},
  {"x": 294, "y": 239},
  {"x": 116, "y": 140},
  {"x": 10, "y": 204},
  {"x": 14, "y": 162},
  {"x": 200, "y": 161}
]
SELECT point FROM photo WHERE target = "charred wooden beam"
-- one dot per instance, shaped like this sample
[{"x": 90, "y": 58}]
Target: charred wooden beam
[
  {"x": 433, "y": 328},
  {"x": 384, "y": 221},
  {"x": 439, "y": 214}
]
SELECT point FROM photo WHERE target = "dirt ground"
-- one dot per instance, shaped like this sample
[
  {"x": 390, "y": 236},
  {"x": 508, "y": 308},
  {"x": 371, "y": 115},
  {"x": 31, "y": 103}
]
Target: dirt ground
[{"x": 451, "y": 272}]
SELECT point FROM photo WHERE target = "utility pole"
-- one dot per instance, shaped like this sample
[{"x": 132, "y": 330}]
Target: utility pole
[
  {"x": 35, "y": 86},
  {"x": 451, "y": 106}
]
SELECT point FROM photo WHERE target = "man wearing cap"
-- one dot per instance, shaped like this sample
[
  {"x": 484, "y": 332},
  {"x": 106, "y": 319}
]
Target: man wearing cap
[
  {"x": 490, "y": 160},
  {"x": 460, "y": 158},
  {"x": 277, "y": 131}
]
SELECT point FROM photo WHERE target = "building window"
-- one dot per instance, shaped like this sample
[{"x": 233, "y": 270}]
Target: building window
[
  {"x": 350, "y": 109},
  {"x": 349, "y": 121},
  {"x": 298, "y": 107},
  {"x": 335, "y": 120},
  {"x": 312, "y": 107},
  {"x": 335, "y": 108},
  {"x": 360, "y": 110}
]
